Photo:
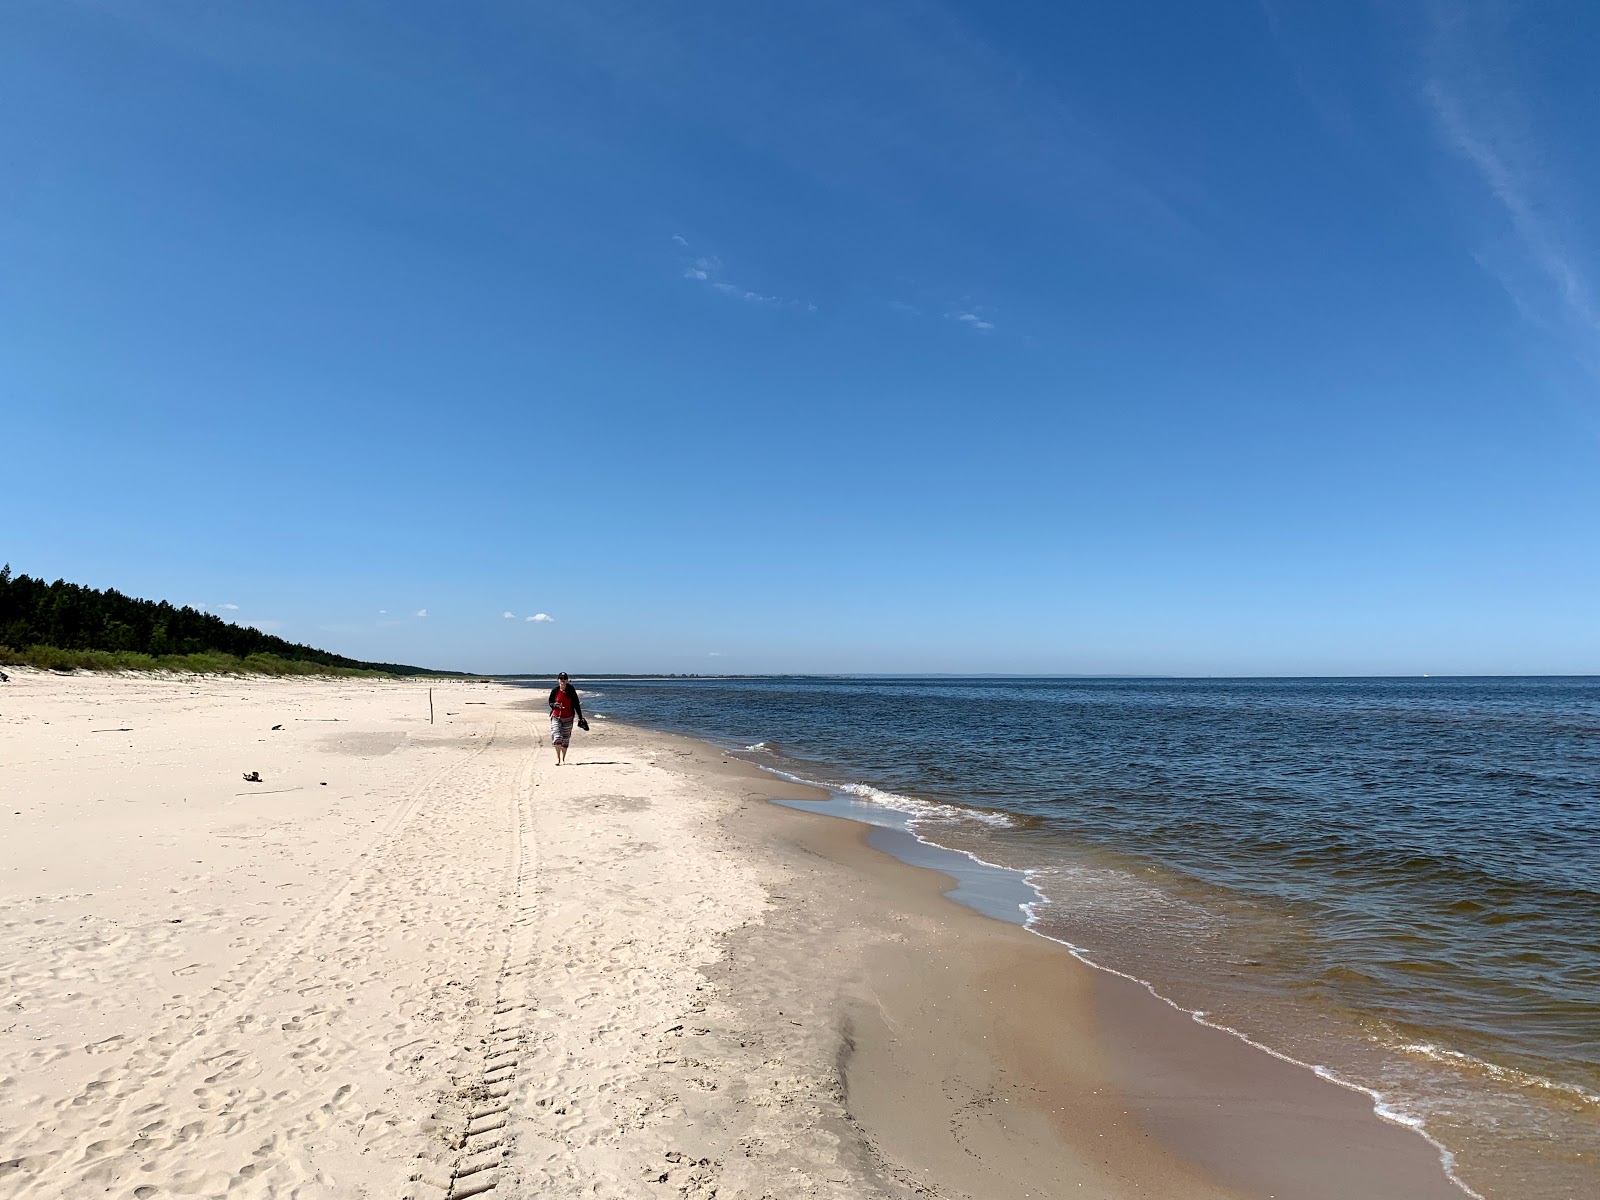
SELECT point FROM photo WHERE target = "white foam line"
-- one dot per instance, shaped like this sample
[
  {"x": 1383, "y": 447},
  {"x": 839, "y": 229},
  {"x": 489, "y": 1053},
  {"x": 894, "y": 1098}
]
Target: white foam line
[
  {"x": 913, "y": 808},
  {"x": 795, "y": 778},
  {"x": 1381, "y": 1106},
  {"x": 1523, "y": 1079}
]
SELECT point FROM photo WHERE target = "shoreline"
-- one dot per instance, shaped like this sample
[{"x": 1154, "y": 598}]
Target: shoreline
[
  {"x": 1446, "y": 1043},
  {"x": 420, "y": 960},
  {"x": 1009, "y": 894},
  {"x": 1312, "y": 1121}
]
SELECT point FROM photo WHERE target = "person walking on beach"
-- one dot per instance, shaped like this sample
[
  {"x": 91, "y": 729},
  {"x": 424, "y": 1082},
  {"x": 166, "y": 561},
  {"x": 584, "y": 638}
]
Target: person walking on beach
[{"x": 564, "y": 710}]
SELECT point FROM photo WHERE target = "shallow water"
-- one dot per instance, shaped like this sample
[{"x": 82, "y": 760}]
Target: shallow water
[{"x": 1395, "y": 880}]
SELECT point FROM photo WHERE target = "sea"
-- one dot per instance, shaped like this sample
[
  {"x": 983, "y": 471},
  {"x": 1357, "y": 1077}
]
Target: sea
[{"x": 1395, "y": 882}]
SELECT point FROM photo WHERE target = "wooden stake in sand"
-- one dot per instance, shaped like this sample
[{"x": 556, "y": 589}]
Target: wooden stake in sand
[{"x": 430, "y": 706}]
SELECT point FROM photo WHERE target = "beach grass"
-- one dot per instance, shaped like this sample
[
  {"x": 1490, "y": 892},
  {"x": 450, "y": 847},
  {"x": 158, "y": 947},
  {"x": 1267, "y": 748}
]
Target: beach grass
[{"x": 54, "y": 658}]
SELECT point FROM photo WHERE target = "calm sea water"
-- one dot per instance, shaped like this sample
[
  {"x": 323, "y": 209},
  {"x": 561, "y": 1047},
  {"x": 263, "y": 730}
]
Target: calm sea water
[{"x": 1395, "y": 880}]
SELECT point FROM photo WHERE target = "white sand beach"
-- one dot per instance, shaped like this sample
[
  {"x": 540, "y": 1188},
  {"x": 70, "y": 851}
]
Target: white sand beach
[{"x": 419, "y": 960}]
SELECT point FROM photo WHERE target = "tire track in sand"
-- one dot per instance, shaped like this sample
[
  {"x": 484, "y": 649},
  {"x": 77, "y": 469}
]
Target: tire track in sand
[
  {"x": 259, "y": 1094},
  {"x": 474, "y": 1117}
]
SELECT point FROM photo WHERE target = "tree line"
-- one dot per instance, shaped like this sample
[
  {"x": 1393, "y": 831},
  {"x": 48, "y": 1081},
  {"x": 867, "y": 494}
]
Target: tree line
[{"x": 70, "y": 617}]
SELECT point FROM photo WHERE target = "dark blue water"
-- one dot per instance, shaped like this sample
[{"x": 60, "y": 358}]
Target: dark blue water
[{"x": 1396, "y": 880}]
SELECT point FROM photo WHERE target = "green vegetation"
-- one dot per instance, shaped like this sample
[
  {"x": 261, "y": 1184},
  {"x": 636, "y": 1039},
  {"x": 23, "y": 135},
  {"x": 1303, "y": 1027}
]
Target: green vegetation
[
  {"x": 62, "y": 626},
  {"x": 54, "y": 658}
]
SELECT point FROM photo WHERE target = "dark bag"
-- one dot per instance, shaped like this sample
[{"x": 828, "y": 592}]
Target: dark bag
[{"x": 583, "y": 725}]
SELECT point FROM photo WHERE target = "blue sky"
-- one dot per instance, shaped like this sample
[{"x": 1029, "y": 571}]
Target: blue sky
[{"x": 1252, "y": 337}]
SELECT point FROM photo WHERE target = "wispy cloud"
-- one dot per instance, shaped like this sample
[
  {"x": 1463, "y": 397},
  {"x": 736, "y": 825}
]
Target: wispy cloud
[
  {"x": 973, "y": 320},
  {"x": 267, "y": 626},
  {"x": 715, "y": 654},
  {"x": 681, "y": 240},
  {"x": 229, "y": 607},
  {"x": 509, "y": 615},
  {"x": 702, "y": 268},
  {"x": 745, "y": 294},
  {"x": 540, "y": 617},
  {"x": 961, "y": 309},
  {"x": 422, "y": 612},
  {"x": 707, "y": 269},
  {"x": 1482, "y": 116},
  {"x": 383, "y": 612},
  {"x": 919, "y": 104},
  {"x": 1327, "y": 101}
]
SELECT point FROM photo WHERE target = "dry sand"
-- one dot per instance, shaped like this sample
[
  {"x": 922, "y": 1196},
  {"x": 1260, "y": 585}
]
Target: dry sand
[{"x": 422, "y": 961}]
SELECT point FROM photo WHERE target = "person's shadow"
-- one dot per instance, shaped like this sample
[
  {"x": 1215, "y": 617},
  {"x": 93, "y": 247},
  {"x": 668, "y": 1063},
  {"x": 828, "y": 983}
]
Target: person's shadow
[{"x": 598, "y": 763}]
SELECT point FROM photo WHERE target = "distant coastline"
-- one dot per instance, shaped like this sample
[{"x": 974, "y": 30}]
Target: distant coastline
[{"x": 65, "y": 626}]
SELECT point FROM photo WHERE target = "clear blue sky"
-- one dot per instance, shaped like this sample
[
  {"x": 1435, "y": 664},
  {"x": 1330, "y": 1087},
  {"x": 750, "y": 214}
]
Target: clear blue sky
[{"x": 1250, "y": 337}]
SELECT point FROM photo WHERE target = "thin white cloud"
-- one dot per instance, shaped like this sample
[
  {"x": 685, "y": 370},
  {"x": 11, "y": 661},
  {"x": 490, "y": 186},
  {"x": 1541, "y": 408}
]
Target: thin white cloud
[
  {"x": 509, "y": 615},
  {"x": 680, "y": 239},
  {"x": 973, "y": 321},
  {"x": 715, "y": 654},
  {"x": 383, "y": 612},
  {"x": 229, "y": 607},
  {"x": 540, "y": 617},
  {"x": 942, "y": 97},
  {"x": 1327, "y": 101},
  {"x": 749, "y": 297},
  {"x": 1481, "y": 120},
  {"x": 900, "y": 306},
  {"x": 707, "y": 269},
  {"x": 703, "y": 268},
  {"x": 1514, "y": 190},
  {"x": 422, "y": 612}
]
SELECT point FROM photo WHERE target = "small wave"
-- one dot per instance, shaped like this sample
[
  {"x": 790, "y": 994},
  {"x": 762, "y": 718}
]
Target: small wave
[
  {"x": 1522, "y": 1079},
  {"x": 1382, "y": 1105},
  {"x": 916, "y": 810},
  {"x": 926, "y": 809},
  {"x": 759, "y": 746}
]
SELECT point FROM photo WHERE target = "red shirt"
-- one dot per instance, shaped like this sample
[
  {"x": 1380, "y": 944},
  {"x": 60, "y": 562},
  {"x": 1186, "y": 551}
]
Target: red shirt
[{"x": 563, "y": 703}]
